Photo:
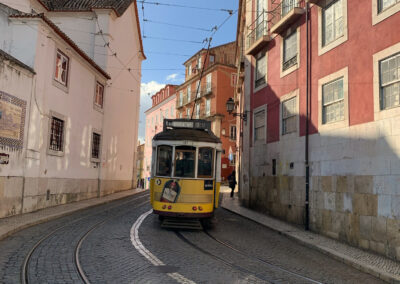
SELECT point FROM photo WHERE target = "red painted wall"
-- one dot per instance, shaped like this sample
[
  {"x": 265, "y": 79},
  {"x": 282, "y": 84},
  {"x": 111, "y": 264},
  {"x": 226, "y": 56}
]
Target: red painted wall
[{"x": 356, "y": 53}]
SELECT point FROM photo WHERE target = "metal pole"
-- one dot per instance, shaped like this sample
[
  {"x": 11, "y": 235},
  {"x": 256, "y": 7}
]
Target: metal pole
[{"x": 307, "y": 221}]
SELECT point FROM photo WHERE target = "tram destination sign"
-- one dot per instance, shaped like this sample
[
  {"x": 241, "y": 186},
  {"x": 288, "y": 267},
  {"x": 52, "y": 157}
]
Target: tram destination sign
[
  {"x": 208, "y": 184},
  {"x": 187, "y": 123}
]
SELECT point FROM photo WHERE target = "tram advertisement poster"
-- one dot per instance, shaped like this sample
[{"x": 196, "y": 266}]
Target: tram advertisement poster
[{"x": 170, "y": 191}]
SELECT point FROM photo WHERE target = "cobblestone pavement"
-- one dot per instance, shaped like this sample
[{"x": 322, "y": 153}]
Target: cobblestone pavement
[{"x": 256, "y": 254}]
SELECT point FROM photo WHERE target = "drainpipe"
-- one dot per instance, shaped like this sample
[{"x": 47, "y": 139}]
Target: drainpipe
[{"x": 307, "y": 221}]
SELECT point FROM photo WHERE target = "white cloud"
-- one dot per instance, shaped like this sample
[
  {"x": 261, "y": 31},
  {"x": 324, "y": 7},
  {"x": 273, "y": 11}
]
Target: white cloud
[
  {"x": 146, "y": 91},
  {"x": 172, "y": 77}
]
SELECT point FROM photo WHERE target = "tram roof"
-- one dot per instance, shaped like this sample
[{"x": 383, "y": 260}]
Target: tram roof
[{"x": 187, "y": 134}]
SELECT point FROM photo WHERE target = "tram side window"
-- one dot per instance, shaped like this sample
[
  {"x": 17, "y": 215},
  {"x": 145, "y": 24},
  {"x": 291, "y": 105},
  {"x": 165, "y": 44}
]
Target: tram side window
[
  {"x": 185, "y": 161},
  {"x": 164, "y": 161},
  {"x": 205, "y": 163}
]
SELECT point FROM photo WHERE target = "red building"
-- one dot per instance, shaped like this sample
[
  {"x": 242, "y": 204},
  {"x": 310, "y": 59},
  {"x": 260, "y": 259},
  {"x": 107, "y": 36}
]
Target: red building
[
  {"x": 334, "y": 165},
  {"x": 214, "y": 88}
]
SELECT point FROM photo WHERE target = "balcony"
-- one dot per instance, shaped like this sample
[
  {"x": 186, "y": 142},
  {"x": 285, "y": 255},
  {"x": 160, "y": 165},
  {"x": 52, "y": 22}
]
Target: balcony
[
  {"x": 207, "y": 89},
  {"x": 181, "y": 103},
  {"x": 257, "y": 36},
  {"x": 291, "y": 10}
]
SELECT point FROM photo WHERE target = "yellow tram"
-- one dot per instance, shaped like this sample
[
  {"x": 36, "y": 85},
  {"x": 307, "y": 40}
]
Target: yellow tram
[{"x": 186, "y": 170}]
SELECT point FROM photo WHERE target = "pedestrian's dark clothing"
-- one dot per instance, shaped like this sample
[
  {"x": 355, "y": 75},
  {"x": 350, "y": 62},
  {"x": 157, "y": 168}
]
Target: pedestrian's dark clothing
[{"x": 232, "y": 182}]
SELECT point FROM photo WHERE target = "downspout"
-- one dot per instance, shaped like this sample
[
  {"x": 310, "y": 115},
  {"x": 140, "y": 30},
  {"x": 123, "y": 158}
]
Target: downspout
[{"x": 307, "y": 207}]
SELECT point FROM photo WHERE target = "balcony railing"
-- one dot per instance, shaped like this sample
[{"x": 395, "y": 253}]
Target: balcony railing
[
  {"x": 290, "y": 11},
  {"x": 257, "y": 36}
]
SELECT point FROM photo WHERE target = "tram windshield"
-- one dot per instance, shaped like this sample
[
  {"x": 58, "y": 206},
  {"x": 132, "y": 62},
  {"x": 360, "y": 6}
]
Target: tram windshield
[
  {"x": 205, "y": 163},
  {"x": 164, "y": 160},
  {"x": 185, "y": 161}
]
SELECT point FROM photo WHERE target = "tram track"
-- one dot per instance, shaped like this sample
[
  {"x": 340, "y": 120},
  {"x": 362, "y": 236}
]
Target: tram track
[
  {"x": 241, "y": 268},
  {"x": 79, "y": 269}
]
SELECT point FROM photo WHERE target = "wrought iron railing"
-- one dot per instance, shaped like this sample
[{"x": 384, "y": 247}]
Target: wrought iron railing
[{"x": 257, "y": 29}]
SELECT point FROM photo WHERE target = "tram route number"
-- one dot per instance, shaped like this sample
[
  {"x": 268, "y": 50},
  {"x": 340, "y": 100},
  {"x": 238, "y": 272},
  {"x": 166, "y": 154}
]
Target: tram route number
[{"x": 208, "y": 185}]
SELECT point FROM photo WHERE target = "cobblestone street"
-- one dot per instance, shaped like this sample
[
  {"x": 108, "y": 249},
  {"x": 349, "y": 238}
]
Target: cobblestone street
[{"x": 94, "y": 245}]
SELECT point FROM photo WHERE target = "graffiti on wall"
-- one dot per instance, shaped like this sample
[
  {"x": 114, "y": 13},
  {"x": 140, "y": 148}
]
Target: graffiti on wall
[{"x": 12, "y": 121}]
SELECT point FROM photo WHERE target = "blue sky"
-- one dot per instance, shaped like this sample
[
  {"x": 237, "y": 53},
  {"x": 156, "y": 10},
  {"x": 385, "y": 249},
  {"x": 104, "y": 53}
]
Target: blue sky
[{"x": 185, "y": 28}]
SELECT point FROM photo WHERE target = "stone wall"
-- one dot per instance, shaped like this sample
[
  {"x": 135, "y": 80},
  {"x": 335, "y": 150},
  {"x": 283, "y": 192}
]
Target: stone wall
[{"x": 354, "y": 184}]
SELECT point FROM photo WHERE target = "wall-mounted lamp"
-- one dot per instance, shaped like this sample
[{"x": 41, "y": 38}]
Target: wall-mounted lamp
[{"x": 230, "y": 106}]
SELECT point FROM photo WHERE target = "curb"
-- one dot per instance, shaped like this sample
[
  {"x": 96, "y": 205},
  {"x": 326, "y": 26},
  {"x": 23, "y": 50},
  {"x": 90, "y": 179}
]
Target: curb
[
  {"x": 62, "y": 214},
  {"x": 384, "y": 276}
]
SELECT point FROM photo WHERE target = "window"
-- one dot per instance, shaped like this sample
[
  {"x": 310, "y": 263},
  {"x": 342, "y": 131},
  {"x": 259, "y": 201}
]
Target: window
[
  {"x": 389, "y": 72},
  {"x": 98, "y": 100},
  {"x": 185, "y": 161},
  {"x": 208, "y": 107},
  {"x": 212, "y": 58},
  {"x": 289, "y": 116},
  {"x": 166, "y": 113},
  {"x": 190, "y": 70},
  {"x": 232, "y": 133},
  {"x": 180, "y": 115},
  {"x": 208, "y": 83},
  {"x": 189, "y": 93},
  {"x": 199, "y": 63},
  {"x": 332, "y": 22},
  {"x": 188, "y": 113},
  {"x": 164, "y": 161},
  {"x": 332, "y": 102},
  {"x": 198, "y": 89},
  {"x": 172, "y": 111},
  {"x": 287, "y": 6},
  {"x": 260, "y": 70},
  {"x": 180, "y": 98},
  {"x": 96, "y": 145},
  {"x": 205, "y": 163},
  {"x": 233, "y": 161},
  {"x": 56, "y": 135},
  {"x": 260, "y": 19},
  {"x": 289, "y": 51},
  {"x": 197, "y": 111},
  {"x": 384, "y": 4},
  {"x": 259, "y": 126},
  {"x": 61, "y": 71}
]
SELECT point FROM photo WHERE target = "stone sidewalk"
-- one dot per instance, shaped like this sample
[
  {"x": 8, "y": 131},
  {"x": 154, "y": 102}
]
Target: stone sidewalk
[
  {"x": 16, "y": 223},
  {"x": 379, "y": 266}
]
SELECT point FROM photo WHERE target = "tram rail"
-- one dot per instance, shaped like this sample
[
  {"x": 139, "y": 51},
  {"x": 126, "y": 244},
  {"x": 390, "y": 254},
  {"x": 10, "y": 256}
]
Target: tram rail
[
  {"x": 240, "y": 268},
  {"x": 80, "y": 271}
]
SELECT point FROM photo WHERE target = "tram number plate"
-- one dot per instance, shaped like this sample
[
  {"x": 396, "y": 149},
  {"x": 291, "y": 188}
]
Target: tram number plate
[{"x": 208, "y": 185}]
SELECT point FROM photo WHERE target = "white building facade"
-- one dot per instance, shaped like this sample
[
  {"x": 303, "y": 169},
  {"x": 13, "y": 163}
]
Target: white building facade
[{"x": 81, "y": 116}]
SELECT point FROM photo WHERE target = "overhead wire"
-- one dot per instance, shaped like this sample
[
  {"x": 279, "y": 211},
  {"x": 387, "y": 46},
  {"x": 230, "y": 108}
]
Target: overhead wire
[{"x": 183, "y": 6}]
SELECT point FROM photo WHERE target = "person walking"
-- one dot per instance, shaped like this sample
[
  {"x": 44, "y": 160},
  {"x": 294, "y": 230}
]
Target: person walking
[{"x": 232, "y": 181}]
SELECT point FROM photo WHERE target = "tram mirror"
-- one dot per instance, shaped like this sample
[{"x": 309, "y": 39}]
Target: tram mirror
[
  {"x": 164, "y": 160},
  {"x": 185, "y": 161}
]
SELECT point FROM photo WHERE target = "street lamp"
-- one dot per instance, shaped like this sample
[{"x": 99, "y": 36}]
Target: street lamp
[{"x": 230, "y": 106}]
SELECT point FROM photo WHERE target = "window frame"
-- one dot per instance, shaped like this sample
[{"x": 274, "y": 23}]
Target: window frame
[
  {"x": 198, "y": 160},
  {"x": 379, "y": 16},
  {"x": 230, "y": 132},
  {"x": 55, "y": 80},
  {"x": 257, "y": 110},
  {"x": 171, "y": 162},
  {"x": 323, "y": 81},
  {"x": 95, "y": 104},
  {"x": 285, "y": 98},
  {"x": 195, "y": 160},
  {"x": 296, "y": 66},
  {"x": 386, "y": 53},
  {"x": 322, "y": 49},
  {"x": 92, "y": 158},
  {"x": 208, "y": 107},
  {"x": 257, "y": 58},
  {"x": 61, "y": 117}
]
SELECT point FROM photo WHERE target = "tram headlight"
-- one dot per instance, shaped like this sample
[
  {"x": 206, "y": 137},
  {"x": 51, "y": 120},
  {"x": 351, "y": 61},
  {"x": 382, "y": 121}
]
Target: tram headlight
[{"x": 194, "y": 208}]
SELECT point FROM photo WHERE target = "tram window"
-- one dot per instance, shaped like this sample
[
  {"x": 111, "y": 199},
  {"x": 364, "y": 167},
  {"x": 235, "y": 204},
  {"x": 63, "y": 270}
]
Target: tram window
[
  {"x": 164, "y": 161},
  {"x": 205, "y": 163},
  {"x": 185, "y": 161}
]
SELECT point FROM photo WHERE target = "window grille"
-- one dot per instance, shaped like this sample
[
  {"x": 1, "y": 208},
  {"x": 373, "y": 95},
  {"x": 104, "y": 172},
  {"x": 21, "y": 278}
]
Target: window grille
[
  {"x": 289, "y": 51},
  {"x": 390, "y": 82},
  {"x": 332, "y": 22},
  {"x": 61, "y": 70},
  {"x": 56, "y": 134},
  {"x": 260, "y": 71},
  {"x": 332, "y": 102},
  {"x": 289, "y": 116},
  {"x": 259, "y": 126},
  {"x": 96, "y": 146}
]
